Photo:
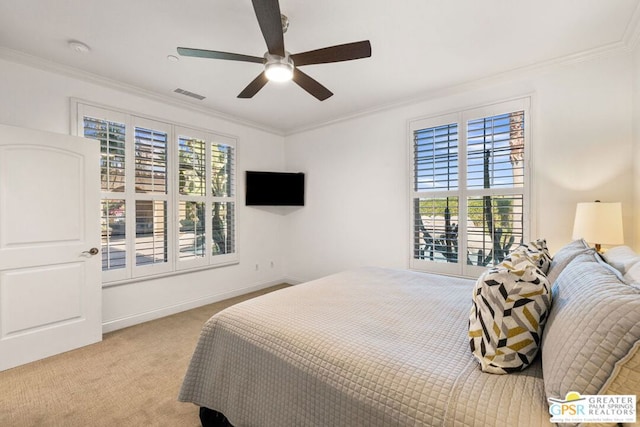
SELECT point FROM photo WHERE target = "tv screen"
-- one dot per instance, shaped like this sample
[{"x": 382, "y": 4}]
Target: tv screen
[{"x": 274, "y": 189}]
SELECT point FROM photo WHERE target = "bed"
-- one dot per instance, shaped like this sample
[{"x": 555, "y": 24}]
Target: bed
[{"x": 366, "y": 347}]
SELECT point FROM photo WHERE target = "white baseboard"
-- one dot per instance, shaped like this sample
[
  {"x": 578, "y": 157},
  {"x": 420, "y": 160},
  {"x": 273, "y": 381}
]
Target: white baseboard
[
  {"x": 293, "y": 281},
  {"x": 114, "y": 325}
]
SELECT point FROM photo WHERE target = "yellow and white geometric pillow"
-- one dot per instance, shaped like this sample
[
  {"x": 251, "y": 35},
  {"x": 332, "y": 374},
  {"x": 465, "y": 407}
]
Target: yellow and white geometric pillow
[
  {"x": 510, "y": 307},
  {"x": 536, "y": 251}
]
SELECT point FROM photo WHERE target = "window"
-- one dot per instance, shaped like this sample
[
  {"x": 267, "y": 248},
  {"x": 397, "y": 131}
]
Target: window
[
  {"x": 167, "y": 194},
  {"x": 470, "y": 187}
]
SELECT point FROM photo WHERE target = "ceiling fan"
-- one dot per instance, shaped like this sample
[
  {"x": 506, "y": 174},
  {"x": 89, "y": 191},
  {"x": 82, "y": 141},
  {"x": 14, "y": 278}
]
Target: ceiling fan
[{"x": 280, "y": 65}]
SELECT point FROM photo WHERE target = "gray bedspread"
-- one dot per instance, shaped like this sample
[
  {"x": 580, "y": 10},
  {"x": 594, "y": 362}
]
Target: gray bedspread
[{"x": 367, "y": 347}]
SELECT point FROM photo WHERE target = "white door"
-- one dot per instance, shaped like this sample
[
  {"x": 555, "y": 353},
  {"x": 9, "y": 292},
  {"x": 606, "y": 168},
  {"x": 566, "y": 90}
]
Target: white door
[{"x": 50, "y": 289}]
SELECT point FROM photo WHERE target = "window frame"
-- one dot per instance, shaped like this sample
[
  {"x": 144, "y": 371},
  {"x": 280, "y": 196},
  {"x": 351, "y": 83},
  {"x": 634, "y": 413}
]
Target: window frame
[
  {"x": 173, "y": 266},
  {"x": 152, "y": 269},
  {"x": 208, "y": 199},
  {"x": 463, "y": 193}
]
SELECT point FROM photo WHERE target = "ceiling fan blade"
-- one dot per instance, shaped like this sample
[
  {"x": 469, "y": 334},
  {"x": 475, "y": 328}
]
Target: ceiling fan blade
[
  {"x": 214, "y": 54},
  {"x": 268, "y": 14},
  {"x": 310, "y": 85},
  {"x": 343, "y": 52},
  {"x": 253, "y": 87}
]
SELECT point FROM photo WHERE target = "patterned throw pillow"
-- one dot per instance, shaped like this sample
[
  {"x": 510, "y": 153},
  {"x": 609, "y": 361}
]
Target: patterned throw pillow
[
  {"x": 536, "y": 251},
  {"x": 511, "y": 303}
]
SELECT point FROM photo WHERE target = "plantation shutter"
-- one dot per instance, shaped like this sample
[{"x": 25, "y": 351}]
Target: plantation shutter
[
  {"x": 435, "y": 184},
  {"x": 495, "y": 174},
  {"x": 192, "y": 216},
  {"x": 469, "y": 187},
  {"x": 110, "y": 130},
  {"x": 436, "y": 158},
  {"x": 206, "y": 225},
  {"x": 168, "y": 194},
  {"x": 223, "y": 188},
  {"x": 151, "y": 249}
]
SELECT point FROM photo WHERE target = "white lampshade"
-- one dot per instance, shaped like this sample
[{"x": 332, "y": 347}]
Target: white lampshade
[{"x": 599, "y": 223}]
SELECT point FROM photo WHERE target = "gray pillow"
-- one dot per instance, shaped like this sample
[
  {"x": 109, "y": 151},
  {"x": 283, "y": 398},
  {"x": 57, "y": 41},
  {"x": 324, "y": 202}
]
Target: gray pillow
[
  {"x": 592, "y": 335},
  {"x": 564, "y": 256}
]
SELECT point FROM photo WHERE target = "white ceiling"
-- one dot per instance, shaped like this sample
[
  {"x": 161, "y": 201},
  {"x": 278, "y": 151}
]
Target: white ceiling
[{"x": 418, "y": 46}]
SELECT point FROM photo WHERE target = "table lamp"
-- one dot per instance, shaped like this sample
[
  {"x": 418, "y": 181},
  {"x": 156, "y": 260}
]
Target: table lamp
[{"x": 599, "y": 223}]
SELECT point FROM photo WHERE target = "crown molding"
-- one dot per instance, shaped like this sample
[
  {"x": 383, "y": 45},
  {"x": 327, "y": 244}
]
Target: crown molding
[
  {"x": 55, "y": 67},
  {"x": 632, "y": 33}
]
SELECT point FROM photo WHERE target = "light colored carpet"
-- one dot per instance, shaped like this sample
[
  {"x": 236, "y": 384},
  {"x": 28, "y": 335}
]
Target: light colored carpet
[{"x": 131, "y": 378}]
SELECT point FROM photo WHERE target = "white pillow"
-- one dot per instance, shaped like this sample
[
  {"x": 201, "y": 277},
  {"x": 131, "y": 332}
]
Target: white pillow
[
  {"x": 633, "y": 274},
  {"x": 621, "y": 258}
]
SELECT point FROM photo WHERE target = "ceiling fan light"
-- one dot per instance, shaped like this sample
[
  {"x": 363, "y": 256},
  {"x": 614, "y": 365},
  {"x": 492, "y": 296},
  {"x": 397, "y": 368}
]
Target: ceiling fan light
[
  {"x": 277, "y": 68},
  {"x": 279, "y": 72}
]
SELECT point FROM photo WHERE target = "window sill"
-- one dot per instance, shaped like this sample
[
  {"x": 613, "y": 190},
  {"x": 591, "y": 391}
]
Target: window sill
[{"x": 168, "y": 274}]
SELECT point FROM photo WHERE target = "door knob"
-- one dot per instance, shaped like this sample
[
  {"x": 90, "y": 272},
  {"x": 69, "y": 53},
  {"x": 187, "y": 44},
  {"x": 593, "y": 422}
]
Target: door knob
[{"x": 92, "y": 251}]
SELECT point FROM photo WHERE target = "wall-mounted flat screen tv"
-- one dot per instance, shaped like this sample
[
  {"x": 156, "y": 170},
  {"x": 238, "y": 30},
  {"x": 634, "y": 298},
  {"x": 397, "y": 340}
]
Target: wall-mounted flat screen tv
[{"x": 274, "y": 188}]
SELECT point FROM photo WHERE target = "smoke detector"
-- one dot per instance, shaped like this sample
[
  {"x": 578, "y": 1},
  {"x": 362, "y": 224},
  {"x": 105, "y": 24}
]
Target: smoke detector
[{"x": 78, "y": 46}]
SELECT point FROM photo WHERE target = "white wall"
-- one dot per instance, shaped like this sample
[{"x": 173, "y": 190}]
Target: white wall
[
  {"x": 357, "y": 207},
  {"x": 357, "y": 210},
  {"x": 33, "y": 98}
]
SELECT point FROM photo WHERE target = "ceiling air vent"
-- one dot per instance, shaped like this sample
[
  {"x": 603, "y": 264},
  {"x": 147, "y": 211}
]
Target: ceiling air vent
[{"x": 191, "y": 94}]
